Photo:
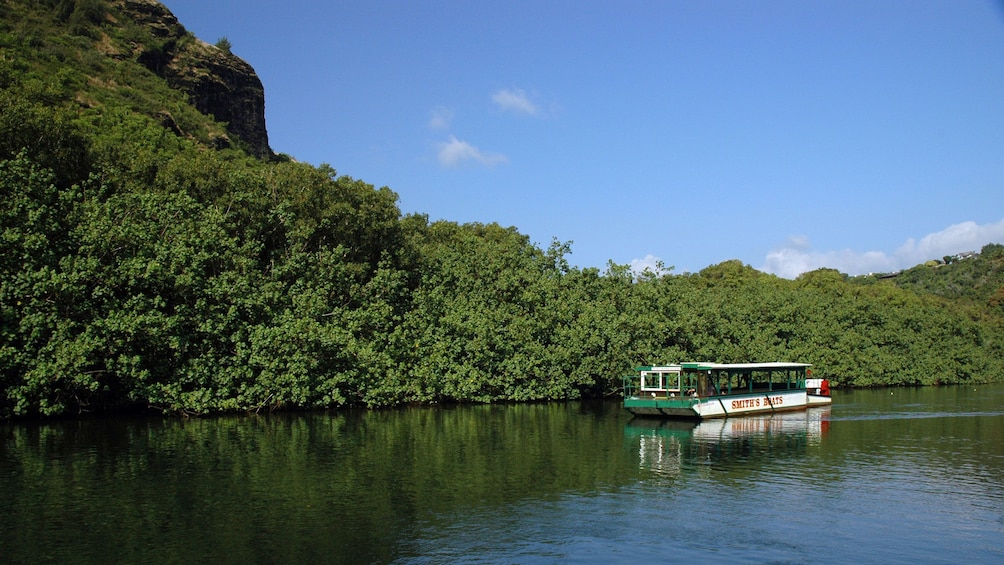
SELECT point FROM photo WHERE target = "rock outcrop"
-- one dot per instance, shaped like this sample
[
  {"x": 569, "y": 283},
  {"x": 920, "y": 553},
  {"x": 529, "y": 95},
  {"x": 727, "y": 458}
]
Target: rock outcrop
[{"x": 217, "y": 82}]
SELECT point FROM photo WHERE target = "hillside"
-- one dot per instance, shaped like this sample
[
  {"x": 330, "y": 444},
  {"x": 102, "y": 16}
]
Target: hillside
[
  {"x": 133, "y": 55},
  {"x": 976, "y": 277},
  {"x": 153, "y": 258}
]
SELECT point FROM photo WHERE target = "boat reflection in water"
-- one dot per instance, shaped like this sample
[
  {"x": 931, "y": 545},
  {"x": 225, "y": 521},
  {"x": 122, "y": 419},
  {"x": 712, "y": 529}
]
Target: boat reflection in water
[{"x": 668, "y": 446}]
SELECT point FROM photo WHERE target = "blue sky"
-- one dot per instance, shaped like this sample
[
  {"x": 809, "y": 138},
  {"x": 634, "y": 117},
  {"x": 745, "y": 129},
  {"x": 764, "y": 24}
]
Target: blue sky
[{"x": 866, "y": 136}]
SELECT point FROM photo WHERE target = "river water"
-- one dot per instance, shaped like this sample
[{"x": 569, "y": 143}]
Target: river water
[{"x": 891, "y": 475}]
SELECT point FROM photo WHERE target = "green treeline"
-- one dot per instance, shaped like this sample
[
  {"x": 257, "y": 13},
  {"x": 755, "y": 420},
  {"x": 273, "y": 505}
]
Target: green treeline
[{"x": 141, "y": 269}]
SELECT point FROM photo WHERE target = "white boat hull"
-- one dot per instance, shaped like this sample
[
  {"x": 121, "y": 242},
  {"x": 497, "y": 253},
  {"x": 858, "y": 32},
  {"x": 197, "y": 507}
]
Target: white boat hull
[
  {"x": 819, "y": 400},
  {"x": 719, "y": 406}
]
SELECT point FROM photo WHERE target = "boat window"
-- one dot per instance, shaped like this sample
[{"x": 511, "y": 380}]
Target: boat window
[
  {"x": 738, "y": 382},
  {"x": 673, "y": 382},
  {"x": 661, "y": 381},
  {"x": 719, "y": 383},
  {"x": 653, "y": 381},
  {"x": 689, "y": 383}
]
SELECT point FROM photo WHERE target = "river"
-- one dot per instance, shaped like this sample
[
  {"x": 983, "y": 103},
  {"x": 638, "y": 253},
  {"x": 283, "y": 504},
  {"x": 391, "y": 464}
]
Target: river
[{"x": 890, "y": 475}]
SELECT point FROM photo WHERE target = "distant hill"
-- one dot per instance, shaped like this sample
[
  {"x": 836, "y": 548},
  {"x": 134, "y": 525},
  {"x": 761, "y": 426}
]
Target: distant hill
[{"x": 976, "y": 277}]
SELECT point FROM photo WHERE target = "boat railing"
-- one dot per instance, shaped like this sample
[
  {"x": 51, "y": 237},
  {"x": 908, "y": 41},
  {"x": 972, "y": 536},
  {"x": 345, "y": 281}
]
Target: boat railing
[{"x": 632, "y": 385}]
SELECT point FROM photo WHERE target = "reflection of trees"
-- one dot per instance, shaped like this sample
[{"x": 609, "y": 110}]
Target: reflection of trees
[{"x": 261, "y": 488}]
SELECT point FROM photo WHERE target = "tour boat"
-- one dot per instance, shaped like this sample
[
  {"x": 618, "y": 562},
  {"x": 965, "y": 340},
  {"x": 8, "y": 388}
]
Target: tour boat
[{"x": 720, "y": 390}]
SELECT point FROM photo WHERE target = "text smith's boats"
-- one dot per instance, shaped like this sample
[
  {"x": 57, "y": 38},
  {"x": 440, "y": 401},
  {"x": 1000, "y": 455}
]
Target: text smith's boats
[{"x": 720, "y": 390}]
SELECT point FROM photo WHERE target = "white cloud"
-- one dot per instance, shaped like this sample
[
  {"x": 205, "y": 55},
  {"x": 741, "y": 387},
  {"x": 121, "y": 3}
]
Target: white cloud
[
  {"x": 440, "y": 118},
  {"x": 789, "y": 262},
  {"x": 797, "y": 257},
  {"x": 455, "y": 152},
  {"x": 652, "y": 264},
  {"x": 515, "y": 100},
  {"x": 966, "y": 236},
  {"x": 649, "y": 262}
]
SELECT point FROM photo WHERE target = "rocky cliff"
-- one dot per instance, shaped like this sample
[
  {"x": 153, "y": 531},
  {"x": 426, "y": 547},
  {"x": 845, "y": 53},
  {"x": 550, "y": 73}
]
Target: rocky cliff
[{"x": 216, "y": 81}]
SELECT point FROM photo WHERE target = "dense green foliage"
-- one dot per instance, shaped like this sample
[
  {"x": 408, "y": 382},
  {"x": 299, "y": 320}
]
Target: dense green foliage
[{"x": 140, "y": 268}]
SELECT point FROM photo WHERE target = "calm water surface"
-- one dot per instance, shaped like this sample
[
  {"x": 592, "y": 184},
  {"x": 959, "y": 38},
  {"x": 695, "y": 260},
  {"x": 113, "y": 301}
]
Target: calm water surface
[{"x": 902, "y": 475}]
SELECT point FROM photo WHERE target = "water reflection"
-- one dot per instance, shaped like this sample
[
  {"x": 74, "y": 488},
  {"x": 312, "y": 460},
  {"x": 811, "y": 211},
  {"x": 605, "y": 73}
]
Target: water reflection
[
  {"x": 348, "y": 486},
  {"x": 666, "y": 446},
  {"x": 514, "y": 484}
]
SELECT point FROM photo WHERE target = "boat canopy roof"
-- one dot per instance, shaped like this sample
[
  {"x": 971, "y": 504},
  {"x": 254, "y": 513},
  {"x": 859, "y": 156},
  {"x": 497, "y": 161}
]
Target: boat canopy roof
[
  {"x": 773, "y": 366},
  {"x": 665, "y": 368}
]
